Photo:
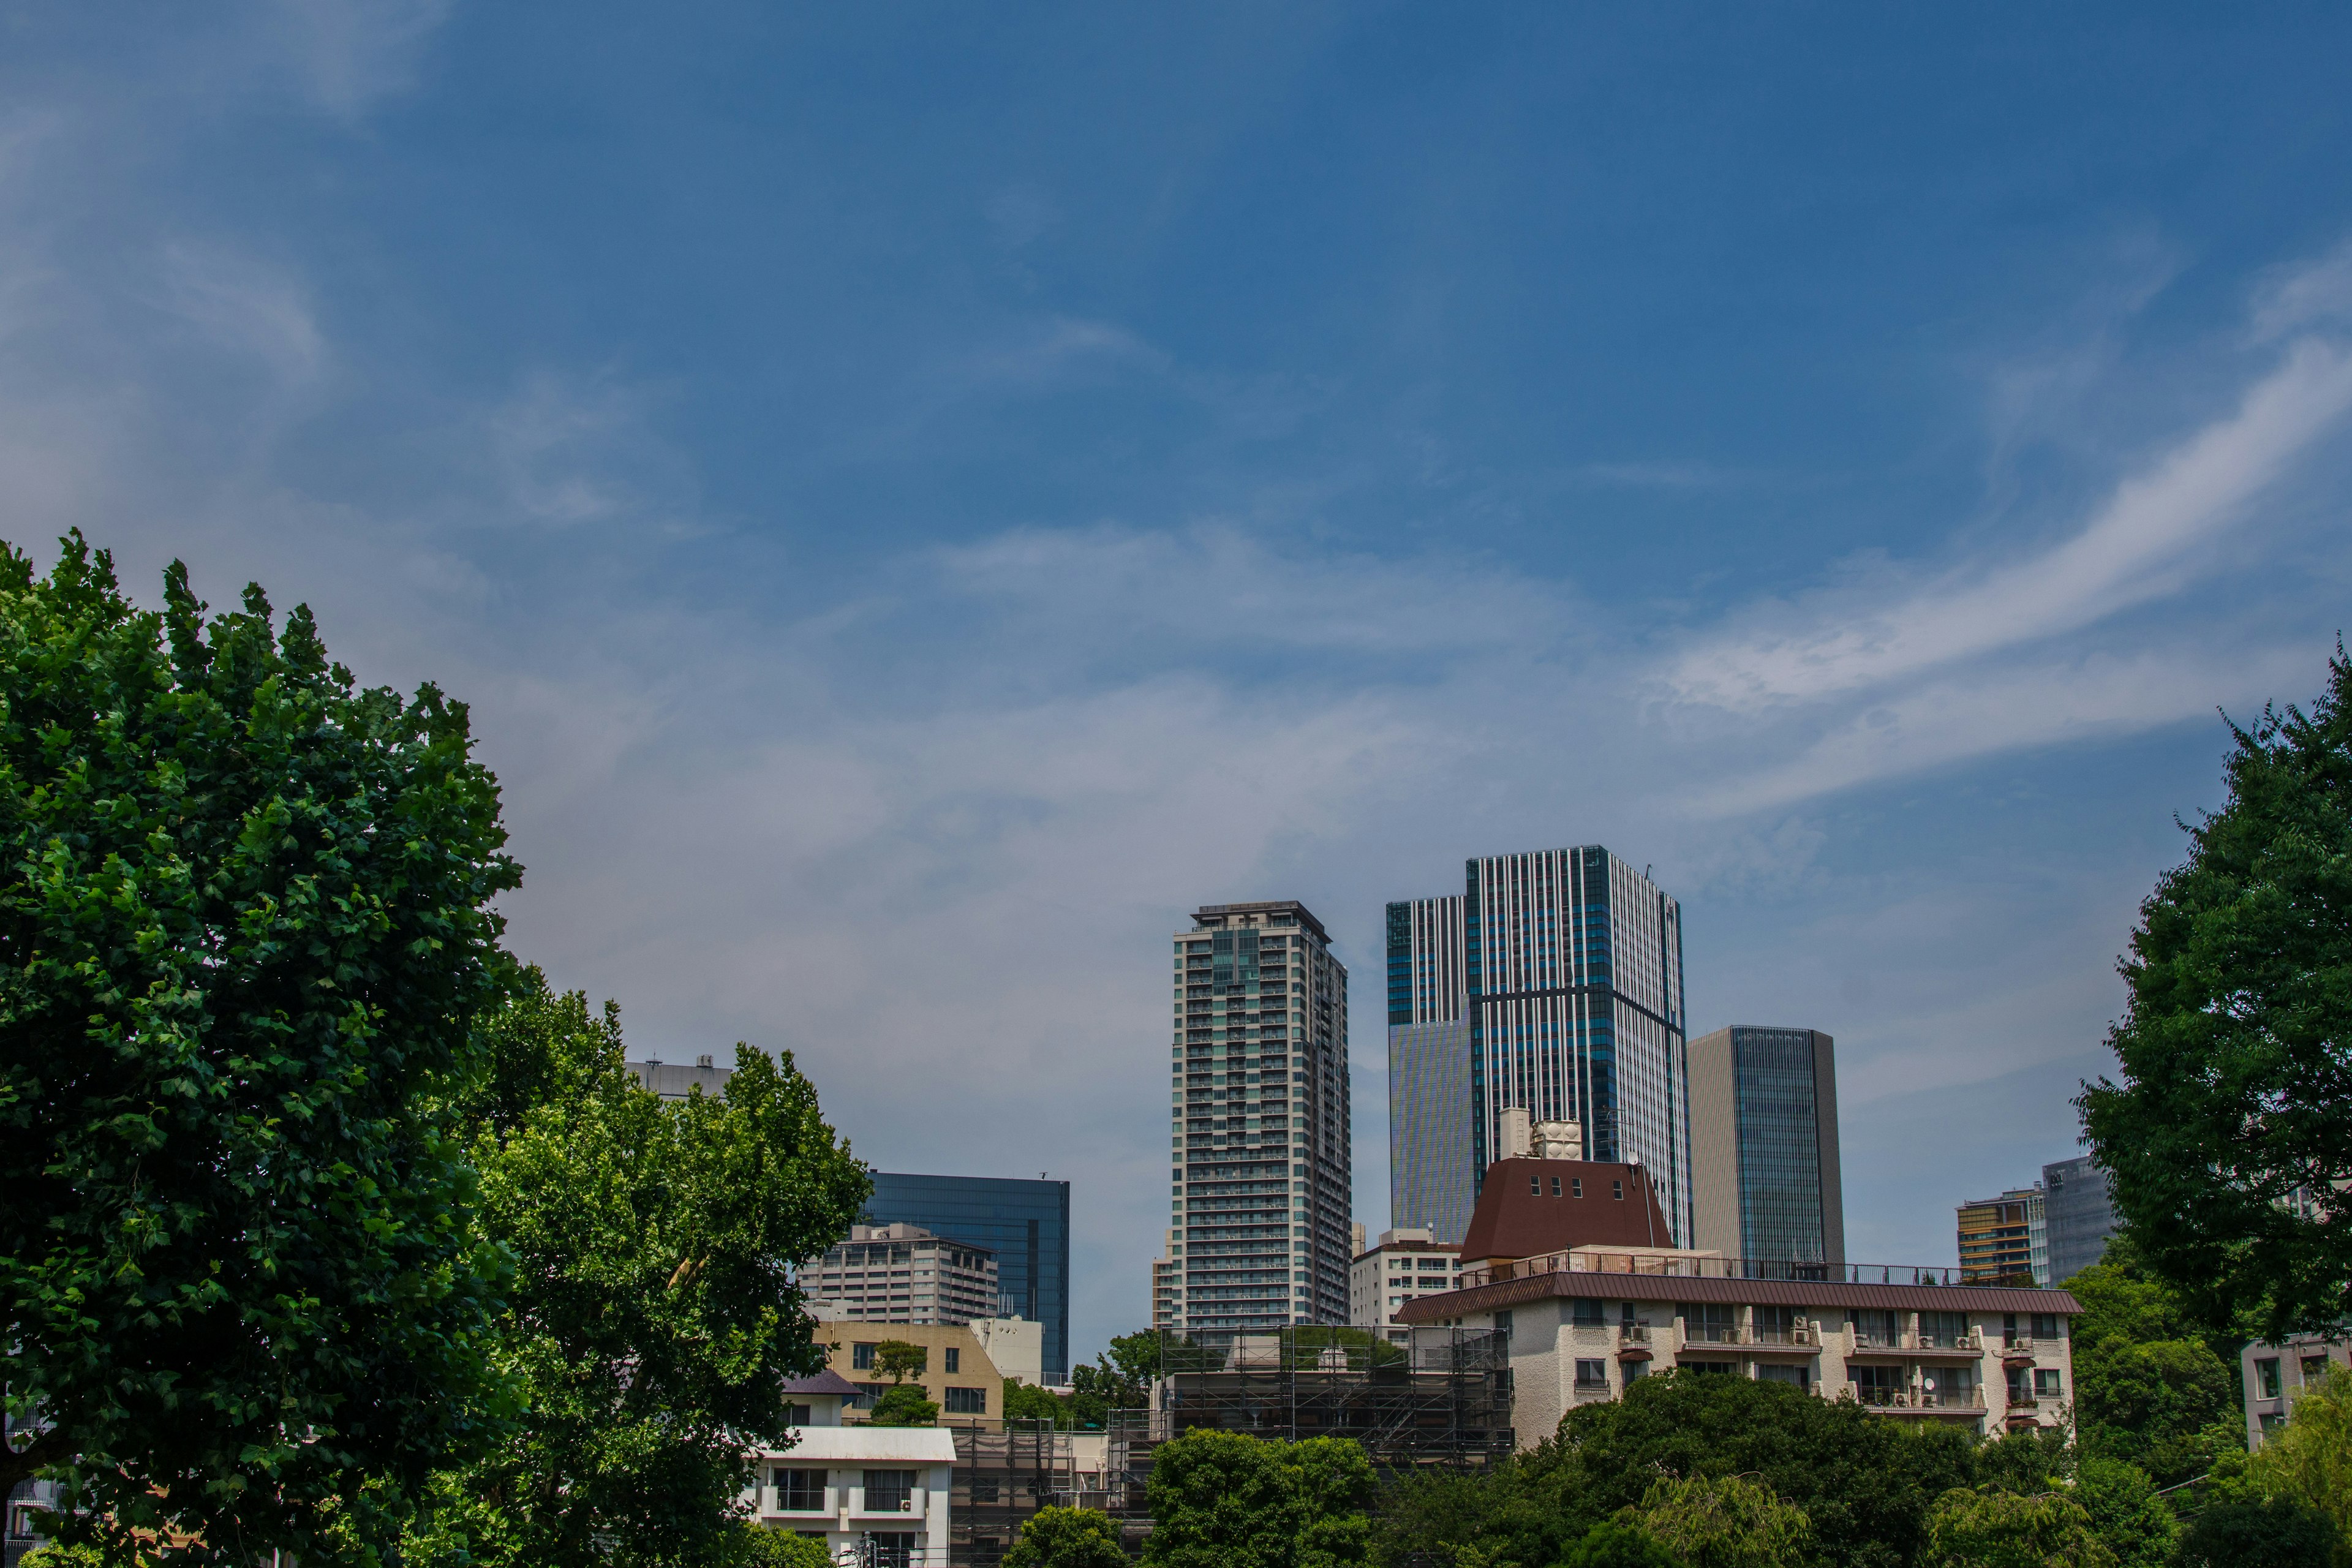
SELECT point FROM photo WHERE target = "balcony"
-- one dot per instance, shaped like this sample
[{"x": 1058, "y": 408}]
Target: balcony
[
  {"x": 1800, "y": 1337},
  {"x": 2017, "y": 1351},
  {"x": 1711, "y": 1334},
  {"x": 1969, "y": 1343},
  {"x": 1634, "y": 1342},
  {"x": 1919, "y": 1401}
]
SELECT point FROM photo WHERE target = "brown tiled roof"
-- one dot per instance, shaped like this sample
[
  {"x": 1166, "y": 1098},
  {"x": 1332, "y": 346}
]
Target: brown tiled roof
[
  {"x": 1746, "y": 1292},
  {"x": 1512, "y": 1221}
]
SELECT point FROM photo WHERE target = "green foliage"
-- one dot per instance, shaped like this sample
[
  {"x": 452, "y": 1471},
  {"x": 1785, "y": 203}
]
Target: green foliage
[
  {"x": 2309, "y": 1459},
  {"x": 1119, "y": 1379},
  {"x": 2001, "y": 1529},
  {"x": 1865, "y": 1483},
  {"x": 653, "y": 1320},
  {"x": 246, "y": 925},
  {"x": 1223, "y": 1500},
  {"x": 1615, "y": 1543},
  {"x": 2039, "y": 1460},
  {"x": 2233, "y": 1099},
  {"x": 2277, "y": 1534},
  {"x": 2129, "y": 1517},
  {"x": 1067, "y": 1538},
  {"x": 1027, "y": 1402},
  {"x": 750, "y": 1545},
  {"x": 58, "y": 1555},
  {"x": 903, "y": 1404},
  {"x": 2147, "y": 1389},
  {"x": 1724, "y": 1521},
  {"x": 899, "y": 1361}
]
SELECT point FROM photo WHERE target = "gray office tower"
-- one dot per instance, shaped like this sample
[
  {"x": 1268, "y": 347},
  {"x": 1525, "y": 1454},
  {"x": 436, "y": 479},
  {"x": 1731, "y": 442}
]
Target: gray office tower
[
  {"x": 2078, "y": 1214},
  {"x": 1433, "y": 1186},
  {"x": 1028, "y": 1223},
  {"x": 1571, "y": 992},
  {"x": 1764, "y": 1145}
]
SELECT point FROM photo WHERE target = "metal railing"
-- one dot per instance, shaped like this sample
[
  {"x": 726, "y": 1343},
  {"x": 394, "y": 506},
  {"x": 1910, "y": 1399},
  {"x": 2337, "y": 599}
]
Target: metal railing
[
  {"x": 1596, "y": 1260},
  {"x": 1970, "y": 1398}
]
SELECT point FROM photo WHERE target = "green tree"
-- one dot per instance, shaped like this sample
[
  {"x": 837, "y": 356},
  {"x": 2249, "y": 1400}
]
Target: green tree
[
  {"x": 1067, "y": 1538},
  {"x": 654, "y": 1320},
  {"x": 1724, "y": 1521},
  {"x": 2309, "y": 1459},
  {"x": 899, "y": 1361},
  {"x": 765, "y": 1546},
  {"x": 2224, "y": 1137},
  {"x": 2129, "y": 1517},
  {"x": 1220, "y": 1500},
  {"x": 1334, "y": 1484},
  {"x": 903, "y": 1404},
  {"x": 1615, "y": 1543},
  {"x": 1995, "y": 1529},
  {"x": 2275, "y": 1535},
  {"x": 1027, "y": 1402},
  {"x": 2148, "y": 1389},
  {"x": 244, "y": 932}
]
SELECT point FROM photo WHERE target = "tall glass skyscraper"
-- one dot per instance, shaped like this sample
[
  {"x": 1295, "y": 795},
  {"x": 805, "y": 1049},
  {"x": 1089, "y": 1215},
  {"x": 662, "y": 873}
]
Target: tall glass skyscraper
[
  {"x": 1764, "y": 1145},
  {"x": 2078, "y": 1214},
  {"x": 1571, "y": 997},
  {"x": 1026, "y": 1223},
  {"x": 1259, "y": 1110},
  {"x": 1432, "y": 1184}
]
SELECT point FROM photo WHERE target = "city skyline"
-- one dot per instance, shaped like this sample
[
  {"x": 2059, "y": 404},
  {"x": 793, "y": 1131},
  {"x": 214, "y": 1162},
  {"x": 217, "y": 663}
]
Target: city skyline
[{"x": 915, "y": 501}]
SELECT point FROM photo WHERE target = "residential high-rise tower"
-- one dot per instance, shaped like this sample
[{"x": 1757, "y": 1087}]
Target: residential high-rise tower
[
  {"x": 1764, "y": 1145},
  {"x": 1571, "y": 992},
  {"x": 1259, "y": 1229}
]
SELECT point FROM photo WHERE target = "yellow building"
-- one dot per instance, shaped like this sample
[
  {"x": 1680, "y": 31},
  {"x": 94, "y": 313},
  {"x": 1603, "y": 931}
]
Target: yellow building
[
  {"x": 957, "y": 1372},
  {"x": 2004, "y": 1238}
]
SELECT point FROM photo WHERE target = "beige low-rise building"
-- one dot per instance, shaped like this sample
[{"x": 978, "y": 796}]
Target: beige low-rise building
[
  {"x": 2276, "y": 1374},
  {"x": 957, "y": 1372}
]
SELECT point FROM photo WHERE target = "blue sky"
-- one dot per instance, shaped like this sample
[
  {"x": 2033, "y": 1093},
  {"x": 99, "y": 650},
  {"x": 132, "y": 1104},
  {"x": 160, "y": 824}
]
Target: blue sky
[{"x": 920, "y": 498}]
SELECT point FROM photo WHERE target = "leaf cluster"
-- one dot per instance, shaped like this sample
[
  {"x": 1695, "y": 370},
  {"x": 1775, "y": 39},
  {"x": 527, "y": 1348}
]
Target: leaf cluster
[{"x": 1225, "y": 1499}]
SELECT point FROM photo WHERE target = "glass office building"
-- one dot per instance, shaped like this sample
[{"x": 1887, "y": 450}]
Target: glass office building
[
  {"x": 1025, "y": 1223},
  {"x": 2077, "y": 1212},
  {"x": 1764, "y": 1145},
  {"x": 1432, "y": 1184}
]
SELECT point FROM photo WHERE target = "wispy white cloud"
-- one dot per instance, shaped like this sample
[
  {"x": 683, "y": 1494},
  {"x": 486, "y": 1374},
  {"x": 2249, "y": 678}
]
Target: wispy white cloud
[
  {"x": 247, "y": 306},
  {"x": 346, "y": 55}
]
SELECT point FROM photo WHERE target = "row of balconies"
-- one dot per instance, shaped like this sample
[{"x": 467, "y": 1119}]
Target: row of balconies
[{"x": 2020, "y": 1351}]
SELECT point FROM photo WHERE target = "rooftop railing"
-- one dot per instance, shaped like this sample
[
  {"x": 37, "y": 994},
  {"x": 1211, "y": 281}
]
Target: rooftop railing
[{"x": 1599, "y": 1261}]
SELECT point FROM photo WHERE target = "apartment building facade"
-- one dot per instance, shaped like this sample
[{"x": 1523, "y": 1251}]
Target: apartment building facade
[
  {"x": 1404, "y": 1265},
  {"x": 879, "y": 1495},
  {"x": 904, "y": 1274},
  {"x": 1259, "y": 1113},
  {"x": 1764, "y": 1144},
  {"x": 2274, "y": 1376}
]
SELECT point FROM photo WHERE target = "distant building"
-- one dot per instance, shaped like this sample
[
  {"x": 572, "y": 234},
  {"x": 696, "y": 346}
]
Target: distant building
[
  {"x": 1026, "y": 1223},
  {"x": 2274, "y": 1376},
  {"x": 1571, "y": 985},
  {"x": 674, "y": 1080},
  {"x": 1259, "y": 1124},
  {"x": 958, "y": 1375},
  {"x": 904, "y": 1274},
  {"x": 2005, "y": 1238},
  {"x": 1406, "y": 1264},
  {"x": 1432, "y": 1173},
  {"x": 2078, "y": 1214},
  {"x": 1764, "y": 1145}
]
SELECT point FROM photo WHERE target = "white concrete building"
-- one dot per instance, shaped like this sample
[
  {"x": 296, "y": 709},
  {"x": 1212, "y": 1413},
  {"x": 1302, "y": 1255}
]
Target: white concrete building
[
  {"x": 905, "y": 1274},
  {"x": 1407, "y": 1263},
  {"x": 2276, "y": 1374},
  {"x": 883, "y": 1490}
]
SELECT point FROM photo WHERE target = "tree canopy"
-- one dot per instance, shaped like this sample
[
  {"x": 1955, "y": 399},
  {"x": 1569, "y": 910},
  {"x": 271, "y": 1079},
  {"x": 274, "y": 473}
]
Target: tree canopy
[
  {"x": 2224, "y": 1136},
  {"x": 1723, "y": 1521},
  {"x": 1225, "y": 1499},
  {"x": 1067, "y": 1538},
  {"x": 1993, "y": 1529},
  {"x": 654, "y": 1320},
  {"x": 245, "y": 932},
  {"x": 2149, "y": 1388}
]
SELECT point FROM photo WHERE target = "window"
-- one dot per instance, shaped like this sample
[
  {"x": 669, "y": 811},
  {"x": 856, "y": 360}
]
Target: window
[
  {"x": 2046, "y": 1325},
  {"x": 891, "y": 1549},
  {"x": 1778, "y": 1326},
  {"x": 983, "y": 1488},
  {"x": 864, "y": 1398},
  {"x": 1555, "y": 1186},
  {"x": 799, "y": 1491},
  {"x": 1713, "y": 1368},
  {"x": 889, "y": 1491},
  {"x": 967, "y": 1402},
  {"x": 1943, "y": 1329},
  {"x": 2266, "y": 1373},
  {"x": 1502, "y": 1322},
  {"x": 1617, "y": 1191},
  {"x": 861, "y": 1358},
  {"x": 2314, "y": 1367},
  {"x": 1592, "y": 1375},
  {"x": 796, "y": 1415},
  {"x": 1588, "y": 1311},
  {"x": 2045, "y": 1382},
  {"x": 954, "y": 1359},
  {"x": 1769, "y": 1371},
  {"x": 1576, "y": 1187},
  {"x": 1874, "y": 1326},
  {"x": 1535, "y": 1186}
]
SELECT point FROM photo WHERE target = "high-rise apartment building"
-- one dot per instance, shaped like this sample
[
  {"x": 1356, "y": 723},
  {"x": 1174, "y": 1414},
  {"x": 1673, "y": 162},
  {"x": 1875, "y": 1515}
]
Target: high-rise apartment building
[
  {"x": 1764, "y": 1145},
  {"x": 1258, "y": 1234},
  {"x": 1026, "y": 1223},
  {"x": 2078, "y": 1214},
  {"x": 1433, "y": 1183},
  {"x": 1571, "y": 992},
  {"x": 904, "y": 1274},
  {"x": 1405, "y": 1265},
  {"x": 2005, "y": 1238}
]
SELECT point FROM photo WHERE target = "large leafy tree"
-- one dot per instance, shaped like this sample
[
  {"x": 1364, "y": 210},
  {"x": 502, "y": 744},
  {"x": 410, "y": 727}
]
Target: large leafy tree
[
  {"x": 2149, "y": 1388},
  {"x": 1067, "y": 1538},
  {"x": 1225, "y": 1499},
  {"x": 1724, "y": 1521},
  {"x": 2228, "y": 1134},
  {"x": 2309, "y": 1459},
  {"x": 653, "y": 1320},
  {"x": 2004, "y": 1530},
  {"x": 245, "y": 932}
]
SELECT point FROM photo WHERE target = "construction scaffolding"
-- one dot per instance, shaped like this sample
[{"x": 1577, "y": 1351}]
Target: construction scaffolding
[
  {"x": 1005, "y": 1474},
  {"x": 1413, "y": 1397}
]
